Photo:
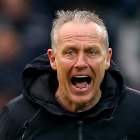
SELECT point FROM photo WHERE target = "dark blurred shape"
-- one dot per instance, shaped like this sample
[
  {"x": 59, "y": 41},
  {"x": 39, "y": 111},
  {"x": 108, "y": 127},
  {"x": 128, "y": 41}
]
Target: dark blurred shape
[
  {"x": 15, "y": 9},
  {"x": 24, "y": 34},
  {"x": 34, "y": 27},
  {"x": 9, "y": 45},
  {"x": 10, "y": 63}
]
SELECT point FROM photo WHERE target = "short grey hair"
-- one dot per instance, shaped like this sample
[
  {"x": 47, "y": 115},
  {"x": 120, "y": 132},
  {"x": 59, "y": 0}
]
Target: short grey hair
[{"x": 63, "y": 17}]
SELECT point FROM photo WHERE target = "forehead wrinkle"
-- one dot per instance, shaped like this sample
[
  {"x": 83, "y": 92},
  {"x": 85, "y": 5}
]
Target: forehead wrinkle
[{"x": 83, "y": 38}]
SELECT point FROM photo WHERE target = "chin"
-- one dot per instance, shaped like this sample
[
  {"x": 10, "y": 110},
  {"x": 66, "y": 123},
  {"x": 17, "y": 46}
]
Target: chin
[{"x": 80, "y": 100}]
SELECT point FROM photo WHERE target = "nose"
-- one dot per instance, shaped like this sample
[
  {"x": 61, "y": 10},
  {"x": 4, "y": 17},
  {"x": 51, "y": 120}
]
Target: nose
[{"x": 81, "y": 62}]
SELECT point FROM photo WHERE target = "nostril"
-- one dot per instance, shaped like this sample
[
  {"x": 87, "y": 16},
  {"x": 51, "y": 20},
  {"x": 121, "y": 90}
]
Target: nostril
[{"x": 81, "y": 68}]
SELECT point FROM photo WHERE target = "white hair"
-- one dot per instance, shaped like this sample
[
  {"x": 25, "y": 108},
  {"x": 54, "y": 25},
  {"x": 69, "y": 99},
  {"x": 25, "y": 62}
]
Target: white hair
[{"x": 63, "y": 17}]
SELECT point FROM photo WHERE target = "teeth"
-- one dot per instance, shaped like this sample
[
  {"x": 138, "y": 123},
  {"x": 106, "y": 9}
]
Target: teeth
[{"x": 82, "y": 76}]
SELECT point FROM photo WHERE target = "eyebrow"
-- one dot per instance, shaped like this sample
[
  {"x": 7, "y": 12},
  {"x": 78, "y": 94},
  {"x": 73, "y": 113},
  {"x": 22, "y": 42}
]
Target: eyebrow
[{"x": 92, "y": 46}]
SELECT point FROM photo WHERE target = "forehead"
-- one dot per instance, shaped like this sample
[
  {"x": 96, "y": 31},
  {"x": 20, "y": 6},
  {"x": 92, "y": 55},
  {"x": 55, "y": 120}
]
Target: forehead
[{"x": 80, "y": 30}]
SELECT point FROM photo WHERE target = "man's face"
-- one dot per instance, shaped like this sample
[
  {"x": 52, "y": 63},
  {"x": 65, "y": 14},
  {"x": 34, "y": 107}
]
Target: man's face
[{"x": 80, "y": 61}]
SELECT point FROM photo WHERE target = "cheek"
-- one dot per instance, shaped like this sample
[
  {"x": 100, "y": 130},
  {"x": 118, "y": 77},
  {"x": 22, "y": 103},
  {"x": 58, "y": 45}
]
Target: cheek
[
  {"x": 63, "y": 74},
  {"x": 101, "y": 72},
  {"x": 98, "y": 64},
  {"x": 63, "y": 68},
  {"x": 63, "y": 65},
  {"x": 98, "y": 67}
]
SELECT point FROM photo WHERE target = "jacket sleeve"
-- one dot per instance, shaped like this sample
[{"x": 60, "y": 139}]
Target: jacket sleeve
[{"x": 8, "y": 127}]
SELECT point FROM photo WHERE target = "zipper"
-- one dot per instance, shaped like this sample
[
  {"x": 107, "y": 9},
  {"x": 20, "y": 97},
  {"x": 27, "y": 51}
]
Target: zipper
[{"x": 80, "y": 129}]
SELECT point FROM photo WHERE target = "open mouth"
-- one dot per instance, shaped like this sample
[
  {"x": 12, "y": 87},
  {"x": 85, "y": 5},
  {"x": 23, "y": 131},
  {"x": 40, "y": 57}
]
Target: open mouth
[{"x": 81, "y": 81}]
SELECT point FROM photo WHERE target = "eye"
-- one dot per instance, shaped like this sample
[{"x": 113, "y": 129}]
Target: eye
[
  {"x": 91, "y": 52},
  {"x": 70, "y": 53}
]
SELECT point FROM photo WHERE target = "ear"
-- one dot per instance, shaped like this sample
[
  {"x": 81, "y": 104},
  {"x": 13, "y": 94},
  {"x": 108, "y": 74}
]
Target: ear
[
  {"x": 51, "y": 56},
  {"x": 109, "y": 55}
]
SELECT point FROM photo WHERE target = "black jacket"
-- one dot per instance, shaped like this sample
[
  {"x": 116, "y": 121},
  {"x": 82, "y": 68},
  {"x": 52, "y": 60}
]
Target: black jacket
[{"x": 36, "y": 115}]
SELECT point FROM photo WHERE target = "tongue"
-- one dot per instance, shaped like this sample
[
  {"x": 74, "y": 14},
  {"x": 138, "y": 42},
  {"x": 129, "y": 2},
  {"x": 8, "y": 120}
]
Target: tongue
[{"x": 81, "y": 84}]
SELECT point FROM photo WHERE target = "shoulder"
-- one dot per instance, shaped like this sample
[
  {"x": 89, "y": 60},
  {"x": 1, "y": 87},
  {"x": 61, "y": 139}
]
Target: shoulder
[
  {"x": 132, "y": 97},
  {"x": 130, "y": 101},
  {"x": 133, "y": 91},
  {"x": 13, "y": 116},
  {"x": 19, "y": 108},
  {"x": 127, "y": 113},
  {"x": 128, "y": 110},
  {"x": 128, "y": 105},
  {"x": 20, "y": 104}
]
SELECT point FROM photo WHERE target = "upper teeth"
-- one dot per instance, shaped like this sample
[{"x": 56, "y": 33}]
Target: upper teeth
[{"x": 82, "y": 76}]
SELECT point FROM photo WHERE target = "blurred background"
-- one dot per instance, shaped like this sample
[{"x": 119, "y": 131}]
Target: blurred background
[{"x": 25, "y": 34}]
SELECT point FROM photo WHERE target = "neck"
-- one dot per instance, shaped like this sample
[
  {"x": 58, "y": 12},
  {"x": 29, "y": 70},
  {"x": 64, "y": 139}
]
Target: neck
[{"x": 76, "y": 107}]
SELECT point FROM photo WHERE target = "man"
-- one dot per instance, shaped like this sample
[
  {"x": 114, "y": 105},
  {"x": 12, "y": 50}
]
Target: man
[{"x": 76, "y": 94}]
